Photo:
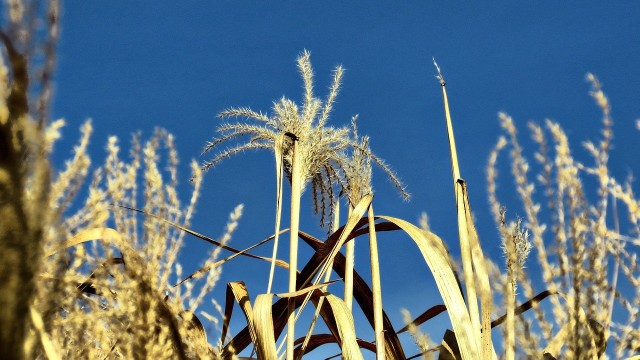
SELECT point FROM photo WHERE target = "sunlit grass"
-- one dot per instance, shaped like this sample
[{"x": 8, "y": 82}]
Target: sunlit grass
[{"x": 88, "y": 254}]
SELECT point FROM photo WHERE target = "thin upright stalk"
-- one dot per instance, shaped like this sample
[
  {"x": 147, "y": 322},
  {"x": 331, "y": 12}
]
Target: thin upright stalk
[
  {"x": 350, "y": 256},
  {"x": 616, "y": 270},
  {"x": 279, "y": 177},
  {"x": 455, "y": 169},
  {"x": 465, "y": 248},
  {"x": 376, "y": 287},
  {"x": 471, "y": 253},
  {"x": 510, "y": 298},
  {"x": 296, "y": 190}
]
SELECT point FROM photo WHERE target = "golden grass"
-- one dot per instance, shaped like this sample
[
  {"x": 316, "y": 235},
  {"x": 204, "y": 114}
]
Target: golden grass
[
  {"x": 98, "y": 277},
  {"x": 584, "y": 236}
]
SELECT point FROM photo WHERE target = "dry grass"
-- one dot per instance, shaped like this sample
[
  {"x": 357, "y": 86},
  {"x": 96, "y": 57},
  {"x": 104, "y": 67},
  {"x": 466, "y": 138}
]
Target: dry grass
[
  {"x": 89, "y": 254},
  {"x": 577, "y": 243}
]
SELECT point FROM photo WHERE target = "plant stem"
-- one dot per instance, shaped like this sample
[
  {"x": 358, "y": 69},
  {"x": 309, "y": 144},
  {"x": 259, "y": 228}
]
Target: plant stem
[
  {"x": 376, "y": 287},
  {"x": 510, "y": 326},
  {"x": 279, "y": 177},
  {"x": 455, "y": 169},
  {"x": 296, "y": 190},
  {"x": 350, "y": 256}
]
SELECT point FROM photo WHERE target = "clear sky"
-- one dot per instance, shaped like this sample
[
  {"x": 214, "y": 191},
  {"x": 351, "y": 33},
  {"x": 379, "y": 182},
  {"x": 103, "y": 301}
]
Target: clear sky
[{"x": 137, "y": 65}]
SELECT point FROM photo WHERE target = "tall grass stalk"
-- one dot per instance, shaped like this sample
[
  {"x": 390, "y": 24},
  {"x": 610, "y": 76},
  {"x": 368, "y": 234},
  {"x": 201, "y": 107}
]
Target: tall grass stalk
[
  {"x": 350, "y": 254},
  {"x": 278, "y": 152},
  {"x": 376, "y": 286},
  {"x": 296, "y": 193},
  {"x": 25, "y": 176},
  {"x": 476, "y": 276},
  {"x": 465, "y": 250}
]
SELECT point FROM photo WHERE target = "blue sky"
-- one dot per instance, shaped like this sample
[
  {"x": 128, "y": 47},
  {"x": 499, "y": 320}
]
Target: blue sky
[{"x": 134, "y": 66}]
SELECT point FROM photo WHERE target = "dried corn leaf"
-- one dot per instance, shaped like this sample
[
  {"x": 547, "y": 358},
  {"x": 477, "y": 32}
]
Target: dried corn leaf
[
  {"x": 237, "y": 291},
  {"x": 425, "y": 316},
  {"x": 208, "y": 267},
  {"x": 346, "y": 328},
  {"x": 201, "y": 236},
  {"x": 438, "y": 263},
  {"x": 317, "y": 340},
  {"x": 479, "y": 269},
  {"x": 305, "y": 290},
  {"x": 361, "y": 291},
  {"x": 108, "y": 235},
  {"x": 265, "y": 341}
]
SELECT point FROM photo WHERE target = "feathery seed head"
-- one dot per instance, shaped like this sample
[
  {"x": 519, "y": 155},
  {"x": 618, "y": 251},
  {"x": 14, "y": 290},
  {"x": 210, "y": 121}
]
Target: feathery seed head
[{"x": 323, "y": 149}]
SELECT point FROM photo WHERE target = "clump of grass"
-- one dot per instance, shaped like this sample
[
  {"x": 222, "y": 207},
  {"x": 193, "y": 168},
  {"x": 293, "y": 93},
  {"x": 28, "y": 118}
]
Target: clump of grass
[
  {"x": 86, "y": 278},
  {"x": 578, "y": 243},
  {"x": 117, "y": 292},
  {"x": 24, "y": 175}
]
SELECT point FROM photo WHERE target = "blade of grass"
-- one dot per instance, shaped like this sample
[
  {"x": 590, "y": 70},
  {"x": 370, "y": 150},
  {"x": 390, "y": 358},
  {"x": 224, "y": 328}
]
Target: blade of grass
[
  {"x": 228, "y": 306},
  {"x": 263, "y": 324},
  {"x": 212, "y": 266},
  {"x": 470, "y": 251},
  {"x": 481, "y": 274},
  {"x": 306, "y": 290},
  {"x": 447, "y": 285},
  {"x": 346, "y": 328},
  {"x": 107, "y": 235},
  {"x": 525, "y": 306},
  {"x": 198, "y": 235},
  {"x": 463, "y": 233},
  {"x": 425, "y": 316}
]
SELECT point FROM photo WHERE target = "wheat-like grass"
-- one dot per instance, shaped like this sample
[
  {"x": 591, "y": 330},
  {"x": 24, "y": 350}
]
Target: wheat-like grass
[
  {"x": 586, "y": 236},
  {"x": 24, "y": 187},
  {"x": 64, "y": 290}
]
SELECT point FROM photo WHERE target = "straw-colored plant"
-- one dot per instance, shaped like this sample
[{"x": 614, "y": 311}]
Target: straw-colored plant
[
  {"x": 471, "y": 338},
  {"x": 97, "y": 276},
  {"x": 578, "y": 243},
  {"x": 85, "y": 278},
  {"x": 24, "y": 171},
  {"x": 307, "y": 151}
]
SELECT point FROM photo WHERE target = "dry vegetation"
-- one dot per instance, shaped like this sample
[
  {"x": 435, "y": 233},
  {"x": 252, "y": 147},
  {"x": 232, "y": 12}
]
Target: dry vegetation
[{"x": 88, "y": 255}]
